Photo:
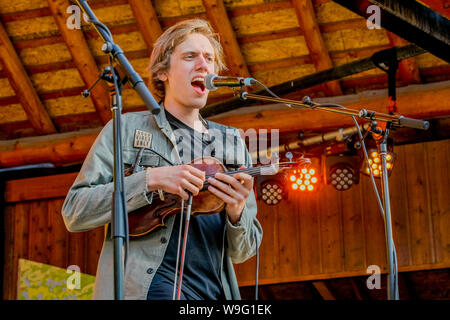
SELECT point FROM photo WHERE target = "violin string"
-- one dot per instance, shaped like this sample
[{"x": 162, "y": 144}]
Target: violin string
[{"x": 251, "y": 171}]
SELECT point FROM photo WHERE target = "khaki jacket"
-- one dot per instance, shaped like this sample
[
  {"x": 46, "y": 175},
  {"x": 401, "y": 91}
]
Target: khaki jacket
[{"x": 88, "y": 206}]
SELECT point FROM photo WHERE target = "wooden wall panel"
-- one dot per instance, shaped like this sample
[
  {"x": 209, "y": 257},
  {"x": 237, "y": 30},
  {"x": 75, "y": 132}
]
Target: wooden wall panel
[
  {"x": 399, "y": 201},
  {"x": 320, "y": 235},
  {"x": 438, "y": 172},
  {"x": 57, "y": 236},
  {"x": 309, "y": 238},
  {"x": 330, "y": 230},
  {"x": 416, "y": 182},
  {"x": 354, "y": 254},
  {"x": 287, "y": 240},
  {"x": 35, "y": 230},
  {"x": 373, "y": 225}
]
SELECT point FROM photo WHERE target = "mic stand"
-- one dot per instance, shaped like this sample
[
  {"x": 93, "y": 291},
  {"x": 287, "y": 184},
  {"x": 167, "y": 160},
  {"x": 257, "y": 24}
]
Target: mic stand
[
  {"x": 119, "y": 223},
  {"x": 119, "y": 218},
  {"x": 392, "y": 281},
  {"x": 390, "y": 120}
]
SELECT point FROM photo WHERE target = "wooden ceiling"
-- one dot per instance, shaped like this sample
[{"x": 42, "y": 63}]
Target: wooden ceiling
[{"x": 45, "y": 66}]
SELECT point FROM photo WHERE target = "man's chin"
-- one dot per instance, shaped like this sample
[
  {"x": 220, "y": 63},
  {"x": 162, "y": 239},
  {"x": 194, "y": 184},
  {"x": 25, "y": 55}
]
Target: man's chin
[{"x": 199, "y": 103}]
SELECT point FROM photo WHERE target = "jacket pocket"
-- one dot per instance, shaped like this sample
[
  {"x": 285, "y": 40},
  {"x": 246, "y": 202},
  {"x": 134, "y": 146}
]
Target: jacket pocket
[
  {"x": 149, "y": 160},
  {"x": 133, "y": 161}
]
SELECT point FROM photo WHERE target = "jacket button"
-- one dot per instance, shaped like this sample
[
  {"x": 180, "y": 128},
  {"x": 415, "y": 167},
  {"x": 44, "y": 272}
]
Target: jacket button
[
  {"x": 150, "y": 270},
  {"x": 163, "y": 240}
]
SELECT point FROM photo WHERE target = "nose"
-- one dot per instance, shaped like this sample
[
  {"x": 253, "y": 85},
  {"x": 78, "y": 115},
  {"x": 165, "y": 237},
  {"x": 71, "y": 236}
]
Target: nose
[{"x": 202, "y": 62}]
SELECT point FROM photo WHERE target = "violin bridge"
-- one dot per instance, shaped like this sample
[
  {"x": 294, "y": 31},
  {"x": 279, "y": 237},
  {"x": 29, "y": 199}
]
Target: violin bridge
[{"x": 161, "y": 194}]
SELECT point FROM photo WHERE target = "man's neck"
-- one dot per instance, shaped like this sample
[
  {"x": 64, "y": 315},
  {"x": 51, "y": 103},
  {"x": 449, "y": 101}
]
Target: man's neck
[{"x": 189, "y": 116}]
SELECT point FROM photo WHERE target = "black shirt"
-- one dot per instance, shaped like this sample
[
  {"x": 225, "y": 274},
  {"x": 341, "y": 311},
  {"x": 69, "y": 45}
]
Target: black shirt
[{"x": 203, "y": 258}]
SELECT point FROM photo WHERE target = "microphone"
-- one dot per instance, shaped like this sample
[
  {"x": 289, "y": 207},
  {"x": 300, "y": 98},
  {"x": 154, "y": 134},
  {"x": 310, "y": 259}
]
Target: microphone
[{"x": 213, "y": 81}]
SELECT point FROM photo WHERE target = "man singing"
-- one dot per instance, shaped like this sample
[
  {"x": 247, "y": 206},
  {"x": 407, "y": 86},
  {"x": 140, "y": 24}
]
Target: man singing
[{"x": 182, "y": 57}]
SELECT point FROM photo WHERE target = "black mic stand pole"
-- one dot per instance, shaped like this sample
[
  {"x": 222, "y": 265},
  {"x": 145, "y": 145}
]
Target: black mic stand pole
[
  {"x": 390, "y": 66},
  {"x": 392, "y": 281},
  {"x": 119, "y": 218}
]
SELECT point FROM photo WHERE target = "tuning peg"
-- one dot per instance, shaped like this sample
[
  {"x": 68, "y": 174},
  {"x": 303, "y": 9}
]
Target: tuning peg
[{"x": 289, "y": 156}]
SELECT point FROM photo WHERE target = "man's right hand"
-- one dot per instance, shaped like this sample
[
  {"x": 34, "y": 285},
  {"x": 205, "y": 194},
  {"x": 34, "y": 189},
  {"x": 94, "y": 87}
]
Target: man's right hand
[{"x": 176, "y": 180}]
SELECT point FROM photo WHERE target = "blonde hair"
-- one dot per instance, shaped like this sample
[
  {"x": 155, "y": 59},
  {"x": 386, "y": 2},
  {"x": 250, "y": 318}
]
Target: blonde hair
[{"x": 173, "y": 36}]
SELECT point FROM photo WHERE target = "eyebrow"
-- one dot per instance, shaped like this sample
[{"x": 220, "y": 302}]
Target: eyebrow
[{"x": 197, "y": 52}]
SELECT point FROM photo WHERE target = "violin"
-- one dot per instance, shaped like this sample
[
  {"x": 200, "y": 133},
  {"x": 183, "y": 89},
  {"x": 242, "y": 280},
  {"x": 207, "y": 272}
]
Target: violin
[{"x": 152, "y": 216}]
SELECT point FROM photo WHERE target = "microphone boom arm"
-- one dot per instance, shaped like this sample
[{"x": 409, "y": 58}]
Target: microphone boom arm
[{"x": 363, "y": 113}]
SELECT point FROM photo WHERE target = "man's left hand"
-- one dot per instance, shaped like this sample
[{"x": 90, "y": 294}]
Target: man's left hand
[{"x": 233, "y": 190}]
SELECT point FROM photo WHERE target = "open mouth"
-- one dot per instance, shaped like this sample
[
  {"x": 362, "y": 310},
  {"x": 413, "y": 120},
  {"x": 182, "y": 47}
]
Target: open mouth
[{"x": 198, "y": 84}]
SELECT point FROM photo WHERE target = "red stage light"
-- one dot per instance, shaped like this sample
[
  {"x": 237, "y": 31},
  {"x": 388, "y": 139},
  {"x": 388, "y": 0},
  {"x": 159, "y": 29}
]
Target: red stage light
[{"x": 304, "y": 179}]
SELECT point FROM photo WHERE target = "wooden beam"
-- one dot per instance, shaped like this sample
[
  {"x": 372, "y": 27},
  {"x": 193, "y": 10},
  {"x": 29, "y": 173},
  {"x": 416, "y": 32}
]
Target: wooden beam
[
  {"x": 39, "y": 188},
  {"x": 323, "y": 290},
  {"x": 147, "y": 21},
  {"x": 64, "y": 148},
  {"x": 217, "y": 15},
  {"x": 408, "y": 69},
  {"x": 356, "y": 289},
  {"x": 316, "y": 45},
  {"x": 21, "y": 83},
  {"x": 82, "y": 57},
  {"x": 414, "y": 101}
]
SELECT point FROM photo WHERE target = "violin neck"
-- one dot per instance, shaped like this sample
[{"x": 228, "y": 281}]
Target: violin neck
[{"x": 269, "y": 169}]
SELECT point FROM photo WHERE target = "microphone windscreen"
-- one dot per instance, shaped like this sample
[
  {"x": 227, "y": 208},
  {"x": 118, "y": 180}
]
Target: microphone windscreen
[{"x": 209, "y": 81}]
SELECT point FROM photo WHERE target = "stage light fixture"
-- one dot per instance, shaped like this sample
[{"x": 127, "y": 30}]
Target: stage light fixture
[
  {"x": 342, "y": 176},
  {"x": 342, "y": 167},
  {"x": 272, "y": 192},
  {"x": 375, "y": 163},
  {"x": 304, "y": 179}
]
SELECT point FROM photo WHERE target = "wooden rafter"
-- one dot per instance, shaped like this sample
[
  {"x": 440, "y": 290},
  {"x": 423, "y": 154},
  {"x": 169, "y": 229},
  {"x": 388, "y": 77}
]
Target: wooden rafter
[
  {"x": 407, "y": 69},
  {"x": 21, "y": 83},
  {"x": 356, "y": 290},
  {"x": 217, "y": 15},
  {"x": 147, "y": 21},
  {"x": 82, "y": 57},
  {"x": 323, "y": 290},
  {"x": 316, "y": 45}
]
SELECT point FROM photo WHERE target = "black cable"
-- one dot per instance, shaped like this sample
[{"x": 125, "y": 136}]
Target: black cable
[
  {"x": 125, "y": 216},
  {"x": 257, "y": 266},
  {"x": 164, "y": 158}
]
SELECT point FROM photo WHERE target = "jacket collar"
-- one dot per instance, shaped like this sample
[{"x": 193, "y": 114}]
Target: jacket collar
[{"x": 163, "y": 123}]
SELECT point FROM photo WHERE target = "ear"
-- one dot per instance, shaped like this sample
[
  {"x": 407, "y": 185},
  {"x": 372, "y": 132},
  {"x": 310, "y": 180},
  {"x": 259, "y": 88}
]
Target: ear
[{"x": 162, "y": 76}]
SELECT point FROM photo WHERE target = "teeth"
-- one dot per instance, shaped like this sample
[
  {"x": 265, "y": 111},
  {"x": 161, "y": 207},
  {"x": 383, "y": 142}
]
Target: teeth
[{"x": 198, "y": 79}]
